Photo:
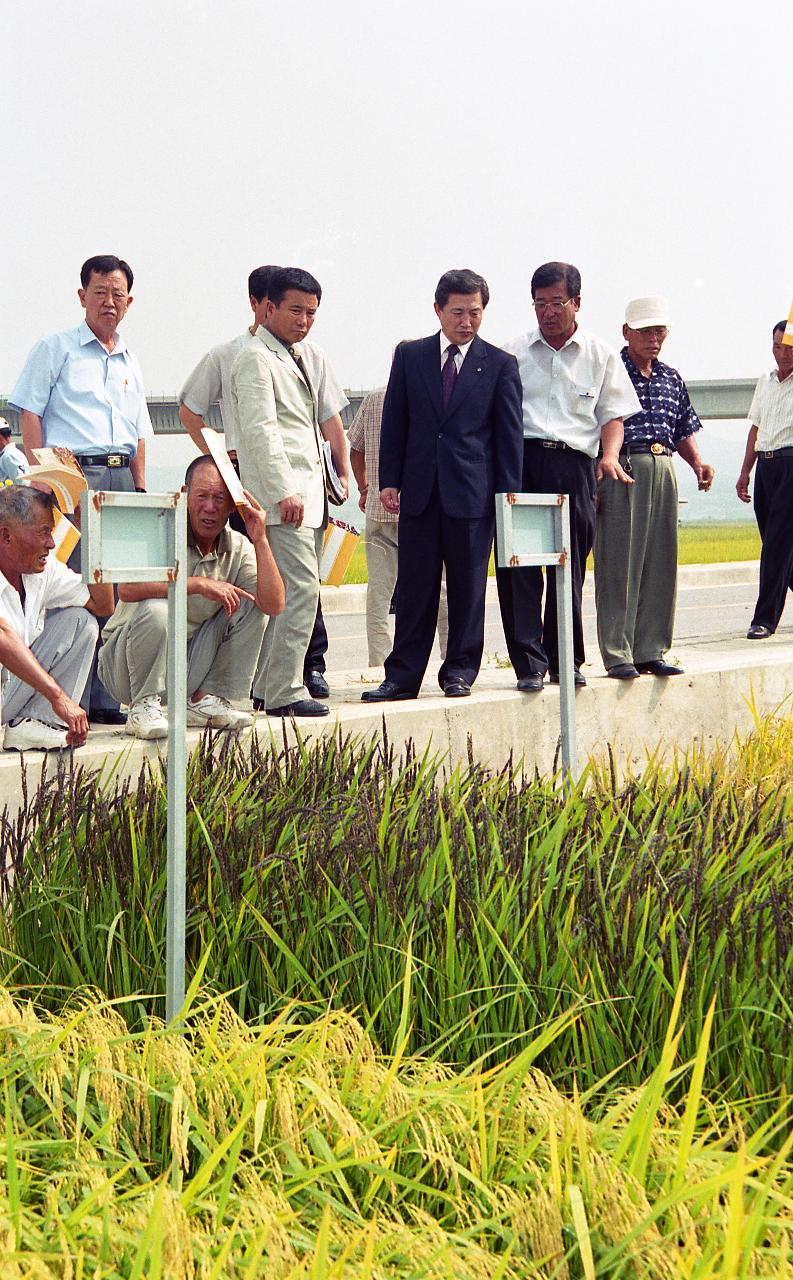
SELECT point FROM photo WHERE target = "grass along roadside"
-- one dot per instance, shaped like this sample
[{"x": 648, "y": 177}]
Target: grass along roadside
[
  {"x": 298, "y": 1151},
  {"x": 698, "y": 544}
]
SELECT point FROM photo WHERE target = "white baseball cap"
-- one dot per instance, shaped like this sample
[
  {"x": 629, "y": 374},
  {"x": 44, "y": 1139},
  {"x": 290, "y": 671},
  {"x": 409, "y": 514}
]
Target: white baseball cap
[{"x": 646, "y": 313}]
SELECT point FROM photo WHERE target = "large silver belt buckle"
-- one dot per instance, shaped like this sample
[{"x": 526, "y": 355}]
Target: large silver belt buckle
[
  {"x": 656, "y": 448},
  {"x": 115, "y": 460},
  {"x": 769, "y": 453}
]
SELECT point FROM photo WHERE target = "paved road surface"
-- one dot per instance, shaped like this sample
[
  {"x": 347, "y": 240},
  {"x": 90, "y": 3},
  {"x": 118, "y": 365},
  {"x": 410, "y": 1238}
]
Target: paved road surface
[{"x": 708, "y": 615}]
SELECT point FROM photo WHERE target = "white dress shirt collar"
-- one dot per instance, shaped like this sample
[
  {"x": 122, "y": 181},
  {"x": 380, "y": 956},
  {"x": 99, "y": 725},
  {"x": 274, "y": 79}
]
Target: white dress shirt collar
[
  {"x": 463, "y": 350},
  {"x": 536, "y": 336}
]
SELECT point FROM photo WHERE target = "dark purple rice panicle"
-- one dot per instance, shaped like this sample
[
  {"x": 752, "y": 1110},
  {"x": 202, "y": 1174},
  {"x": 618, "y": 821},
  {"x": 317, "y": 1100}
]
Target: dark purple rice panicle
[{"x": 290, "y": 841}]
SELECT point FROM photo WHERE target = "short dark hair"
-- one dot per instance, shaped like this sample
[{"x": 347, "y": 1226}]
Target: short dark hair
[
  {"x": 461, "y": 280},
  {"x": 285, "y": 278},
  {"x": 557, "y": 273},
  {"x": 782, "y": 325},
  {"x": 259, "y": 282},
  {"x": 200, "y": 461},
  {"x": 103, "y": 264},
  {"x": 21, "y": 504}
]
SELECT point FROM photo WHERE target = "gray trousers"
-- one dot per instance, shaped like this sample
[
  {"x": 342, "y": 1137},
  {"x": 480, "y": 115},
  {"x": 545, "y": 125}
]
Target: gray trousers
[
  {"x": 636, "y": 562},
  {"x": 221, "y": 653},
  {"x": 279, "y": 673},
  {"x": 382, "y": 550},
  {"x": 65, "y": 649}
]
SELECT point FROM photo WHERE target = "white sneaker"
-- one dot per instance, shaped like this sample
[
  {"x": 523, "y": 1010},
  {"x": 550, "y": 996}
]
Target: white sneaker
[
  {"x": 146, "y": 720},
  {"x": 216, "y": 713},
  {"x": 34, "y": 735}
]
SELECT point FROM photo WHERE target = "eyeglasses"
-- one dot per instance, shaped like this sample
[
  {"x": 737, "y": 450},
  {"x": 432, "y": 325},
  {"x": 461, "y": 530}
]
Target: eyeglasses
[
  {"x": 658, "y": 331},
  {"x": 555, "y": 304}
]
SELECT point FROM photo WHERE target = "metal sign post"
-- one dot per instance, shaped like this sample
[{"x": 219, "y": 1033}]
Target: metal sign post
[
  {"x": 533, "y": 529},
  {"x": 142, "y": 537}
]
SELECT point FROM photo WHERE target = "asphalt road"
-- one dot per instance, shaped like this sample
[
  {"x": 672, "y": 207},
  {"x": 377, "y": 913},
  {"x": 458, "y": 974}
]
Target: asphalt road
[{"x": 707, "y": 615}]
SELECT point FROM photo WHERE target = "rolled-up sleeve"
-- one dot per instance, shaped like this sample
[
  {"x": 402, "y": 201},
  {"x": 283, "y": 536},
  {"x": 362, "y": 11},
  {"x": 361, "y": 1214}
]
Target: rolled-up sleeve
[
  {"x": 203, "y": 386},
  {"x": 34, "y": 384},
  {"x": 617, "y": 398}
]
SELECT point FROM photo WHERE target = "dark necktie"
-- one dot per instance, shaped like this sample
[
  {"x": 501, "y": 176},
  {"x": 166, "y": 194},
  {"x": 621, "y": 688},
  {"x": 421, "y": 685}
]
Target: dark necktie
[
  {"x": 449, "y": 374},
  {"x": 298, "y": 359}
]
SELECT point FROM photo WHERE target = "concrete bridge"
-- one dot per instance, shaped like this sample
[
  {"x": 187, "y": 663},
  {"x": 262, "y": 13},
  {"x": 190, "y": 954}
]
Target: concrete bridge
[{"x": 726, "y": 398}]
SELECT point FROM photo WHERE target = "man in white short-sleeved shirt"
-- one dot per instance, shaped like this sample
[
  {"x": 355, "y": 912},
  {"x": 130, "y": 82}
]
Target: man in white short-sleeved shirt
[
  {"x": 47, "y": 633},
  {"x": 210, "y": 382},
  {"x": 576, "y": 393},
  {"x": 770, "y": 444}
]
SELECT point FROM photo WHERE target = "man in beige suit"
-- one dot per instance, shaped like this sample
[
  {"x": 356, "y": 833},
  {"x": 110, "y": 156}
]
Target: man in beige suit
[{"x": 279, "y": 447}]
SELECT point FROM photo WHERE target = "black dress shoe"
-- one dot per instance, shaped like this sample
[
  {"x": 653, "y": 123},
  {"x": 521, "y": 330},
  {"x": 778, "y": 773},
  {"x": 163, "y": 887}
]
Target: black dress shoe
[
  {"x": 388, "y": 691},
  {"x": 303, "y": 707},
  {"x": 316, "y": 684},
  {"x": 456, "y": 687},
  {"x": 579, "y": 680},
  {"x": 532, "y": 683},
  {"x": 107, "y": 717},
  {"x": 623, "y": 671},
  {"x": 657, "y": 667},
  {"x": 758, "y": 632}
]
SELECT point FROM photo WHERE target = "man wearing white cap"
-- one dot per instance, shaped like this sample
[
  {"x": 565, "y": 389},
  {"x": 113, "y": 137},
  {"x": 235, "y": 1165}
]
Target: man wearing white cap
[{"x": 636, "y": 531}]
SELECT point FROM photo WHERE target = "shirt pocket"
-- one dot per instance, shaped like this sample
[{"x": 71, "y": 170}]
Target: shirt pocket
[
  {"x": 84, "y": 376},
  {"x": 581, "y": 400}
]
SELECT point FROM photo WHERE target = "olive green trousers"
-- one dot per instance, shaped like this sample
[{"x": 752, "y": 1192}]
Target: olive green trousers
[{"x": 636, "y": 562}]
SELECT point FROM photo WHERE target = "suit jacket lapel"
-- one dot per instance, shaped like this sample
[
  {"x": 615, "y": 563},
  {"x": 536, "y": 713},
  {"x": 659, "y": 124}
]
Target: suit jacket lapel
[
  {"x": 431, "y": 369},
  {"x": 279, "y": 350},
  {"x": 474, "y": 368}
]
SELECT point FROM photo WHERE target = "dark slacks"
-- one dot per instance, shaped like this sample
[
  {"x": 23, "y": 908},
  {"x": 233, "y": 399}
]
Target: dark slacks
[
  {"x": 317, "y": 645},
  {"x": 773, "y": 507},
  {"x": 531, "y": 636},
  {"x": 427, "y": 542}
]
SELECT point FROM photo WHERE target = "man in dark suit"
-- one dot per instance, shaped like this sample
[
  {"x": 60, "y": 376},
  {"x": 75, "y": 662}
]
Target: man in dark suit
[{"x": 452, "y": 437}]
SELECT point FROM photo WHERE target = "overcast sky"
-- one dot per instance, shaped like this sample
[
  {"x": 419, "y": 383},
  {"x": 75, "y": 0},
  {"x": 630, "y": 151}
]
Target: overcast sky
[{"x": 380, "y": 144}]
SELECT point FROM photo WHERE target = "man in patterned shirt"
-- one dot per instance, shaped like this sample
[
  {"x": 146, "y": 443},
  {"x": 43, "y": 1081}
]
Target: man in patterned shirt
[{"x": 636, "y": 531}]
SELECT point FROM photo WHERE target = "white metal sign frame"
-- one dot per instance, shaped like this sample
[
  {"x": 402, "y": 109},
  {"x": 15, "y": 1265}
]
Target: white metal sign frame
[
  {"x": 142, "y": 537},
  {"x": 532, "y": 530}
]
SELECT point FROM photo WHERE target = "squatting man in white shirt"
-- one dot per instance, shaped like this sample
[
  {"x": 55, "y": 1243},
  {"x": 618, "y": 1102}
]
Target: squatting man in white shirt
[
  {"x": 48, "y": 628},
  {"x": 233, "y": 584}
]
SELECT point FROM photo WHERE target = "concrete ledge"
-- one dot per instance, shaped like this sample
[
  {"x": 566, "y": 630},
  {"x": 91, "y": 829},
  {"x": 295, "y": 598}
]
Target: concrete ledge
[{"x": 718, "y": 696}]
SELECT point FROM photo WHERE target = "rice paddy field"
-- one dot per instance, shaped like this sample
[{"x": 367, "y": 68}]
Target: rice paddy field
[
  {"x": 711, "y": 543},
  {"x": 441, "y": 1023}
]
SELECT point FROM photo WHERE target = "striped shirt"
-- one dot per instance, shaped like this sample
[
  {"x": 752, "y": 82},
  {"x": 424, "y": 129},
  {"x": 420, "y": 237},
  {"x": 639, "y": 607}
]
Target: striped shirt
[
  {"x": 365, "y": 437},
  {"x": 772, "y": 412}
]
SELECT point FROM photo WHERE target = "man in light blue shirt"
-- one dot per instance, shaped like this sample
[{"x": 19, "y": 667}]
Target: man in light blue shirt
[
  {"x": 12, "y": 460},
  {"x": 83, "y": 390}
]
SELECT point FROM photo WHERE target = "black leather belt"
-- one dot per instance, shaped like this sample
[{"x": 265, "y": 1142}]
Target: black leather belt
[
  {"x": 648, "y": 446},
  {"x": 552, "y": 444},
  {"x": 769, "y": 454},
  {"x": 103, "y": 459}
]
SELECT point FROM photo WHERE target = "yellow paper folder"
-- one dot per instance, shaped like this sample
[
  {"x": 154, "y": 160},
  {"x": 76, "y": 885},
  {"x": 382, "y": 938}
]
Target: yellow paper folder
[
  {"x": 65, "y": 536},
  {"x": 340, "y": 542},
  {"x": 787, "y": 336}
]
